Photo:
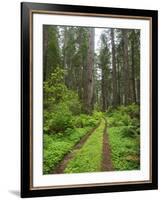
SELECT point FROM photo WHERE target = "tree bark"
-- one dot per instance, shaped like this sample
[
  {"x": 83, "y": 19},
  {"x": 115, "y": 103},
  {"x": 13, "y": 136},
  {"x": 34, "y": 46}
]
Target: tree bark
[
  {"x": 118, "y": 83},
  {"x": 126, "y": 67},
  {"x": 138, "y": 91},
  {"x": 114, "y": 69},
  {"x": 45, "y": 48},
  {"x": 104, "y": 103},
  {"x": 88, "y": 85},
  {"x": 133, "y": 70}
]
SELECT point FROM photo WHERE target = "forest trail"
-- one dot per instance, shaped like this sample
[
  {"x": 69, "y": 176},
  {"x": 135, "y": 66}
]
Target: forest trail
[
  {"x": 62, "y": 165},
  {"x": 106, "y": 163}
]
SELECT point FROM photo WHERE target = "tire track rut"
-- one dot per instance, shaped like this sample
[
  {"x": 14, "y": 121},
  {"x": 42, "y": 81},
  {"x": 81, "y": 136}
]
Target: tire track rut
[
  {"x": 62, "y": 165},
  {"x": 106, "y": 161}
]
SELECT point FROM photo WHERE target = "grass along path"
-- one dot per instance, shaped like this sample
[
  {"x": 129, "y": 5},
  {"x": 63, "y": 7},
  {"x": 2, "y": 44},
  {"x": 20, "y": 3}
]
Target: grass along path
[
  {"x": 89, "y": 157},
  {"x": 62, "y": 165}
]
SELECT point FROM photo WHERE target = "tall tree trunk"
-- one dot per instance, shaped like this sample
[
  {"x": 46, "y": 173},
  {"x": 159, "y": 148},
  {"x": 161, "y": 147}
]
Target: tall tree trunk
[
  {"x": 64, "y": 47},
  {"x": 80, "y": 70},
  {"x": 45, "y": 49},
  {"x": 138, "y": 91},
  {"x": 126, "y": 67},
  {"x": 88, "y": 85},
  {"x": 118, "y": 82},
  {"x": 104, "y": 87},
  {"x": 133, "y": 69},
  {"x": 64, "y": 53},
  {"x": 104, "y": 107},
  {"x": 114, "y": 69}
]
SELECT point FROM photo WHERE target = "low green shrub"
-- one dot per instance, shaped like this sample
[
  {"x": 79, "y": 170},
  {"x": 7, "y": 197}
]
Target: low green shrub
[
  {"x": 129, "y": 131},
  {"x": 124, "y": 130},
  {"x": 125, "y": 116},
  {"x": 86, "y": 120},
  {"x": 55, "y": 147},
  {"x": 72, "y": 101},
  {"x": 125, "y": 150},
  {"x": 97, "y": 115},
  {"x": 132, "y": 110},
  {"x": 53, "y": 154},
  {"x": 59, "y": 120},
  {"x": 119, "y": 119}
]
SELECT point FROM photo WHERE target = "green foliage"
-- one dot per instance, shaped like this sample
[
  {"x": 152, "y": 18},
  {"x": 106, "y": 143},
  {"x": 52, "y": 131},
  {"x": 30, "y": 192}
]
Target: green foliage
[
  {"x": 59, "y": 120},
  {"x": 62, "y": 119},
  {"x": 128, "y": 131},
  {"x": 124, "y": 137},
  {"x": 125, "y": 150},
  {"x": 119, "y": 119},
  {"x": 60, "y": 104},
  {"x": 57, "y": 146},
  {"x": 54, "y": 90},
  {"x": 72, "y": 101},
  {"x": 126, "y": 116},
  {"x": 89, "y": 157},
  {"x": 51, "y": 54},
  {"x": 132, "y": 110},
  {"x": 97, "y": 115},
  {"x": 54, "y": 153},
  {"x": 86, "y": 120}
]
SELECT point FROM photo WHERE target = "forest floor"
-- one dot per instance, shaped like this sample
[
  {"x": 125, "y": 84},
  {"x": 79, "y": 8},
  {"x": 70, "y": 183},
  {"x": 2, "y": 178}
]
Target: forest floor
[
  {"x": 82, "y": 152},
  {"x": 97, "y": 143}
]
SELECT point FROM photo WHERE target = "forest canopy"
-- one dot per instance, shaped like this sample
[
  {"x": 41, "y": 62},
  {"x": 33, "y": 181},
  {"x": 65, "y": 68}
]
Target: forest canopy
[{"x": 101, "y": 65}]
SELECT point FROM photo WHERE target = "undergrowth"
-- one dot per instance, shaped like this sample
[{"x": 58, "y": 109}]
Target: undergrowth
[{"x": 124, "y": 137}]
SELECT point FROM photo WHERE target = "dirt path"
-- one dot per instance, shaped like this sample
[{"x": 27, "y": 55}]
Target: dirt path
[
  {"x": 106, "y": 162},
  {"x": 62, "y": 165}
]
